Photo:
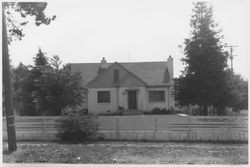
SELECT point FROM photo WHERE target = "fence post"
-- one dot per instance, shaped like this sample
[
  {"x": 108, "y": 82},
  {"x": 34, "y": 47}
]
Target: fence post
[
  {"x": 228, "y": 127},
  {"x": 189, "y": 128},
  {"x": 156, "y": 127},
  {"x": 44, "y": 124},
  {"x": 117, "y": 125}
]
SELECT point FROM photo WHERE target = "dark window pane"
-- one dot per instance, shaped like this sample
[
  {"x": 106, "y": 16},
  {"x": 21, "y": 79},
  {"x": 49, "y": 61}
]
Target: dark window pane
[
  {"x": 103, "y": 96},
  {"x": 156, "y": 96}
]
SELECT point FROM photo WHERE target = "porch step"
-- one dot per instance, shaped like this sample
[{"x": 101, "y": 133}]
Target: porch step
[{"x": 132, "y": 112}]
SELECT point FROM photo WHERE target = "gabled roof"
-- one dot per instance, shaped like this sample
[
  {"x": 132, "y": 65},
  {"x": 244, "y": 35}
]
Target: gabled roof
[
  {"x": 106, "y": 70},
  {"x": 152, "y": 73}
]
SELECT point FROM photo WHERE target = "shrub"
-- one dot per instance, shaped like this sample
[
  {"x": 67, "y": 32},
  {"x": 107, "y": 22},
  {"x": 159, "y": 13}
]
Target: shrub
[
  {"x": 76, "y": 126},
  {"x": 165, "y": 111},
  {"x": 157, "y": 110},
  {"x": 109, "y": 113}
]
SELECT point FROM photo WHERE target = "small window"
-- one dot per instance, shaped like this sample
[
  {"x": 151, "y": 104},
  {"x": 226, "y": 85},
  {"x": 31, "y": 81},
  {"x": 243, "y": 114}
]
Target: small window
[
  {"x": 103, "y": 96},
  {"x": 156, "y": 96},
  {"x": 116, "y": 75}
]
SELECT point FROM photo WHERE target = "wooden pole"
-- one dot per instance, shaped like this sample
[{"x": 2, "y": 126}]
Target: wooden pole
[
  {"x": 156, "y": 127},
  {"x": 8, "y": 103}
]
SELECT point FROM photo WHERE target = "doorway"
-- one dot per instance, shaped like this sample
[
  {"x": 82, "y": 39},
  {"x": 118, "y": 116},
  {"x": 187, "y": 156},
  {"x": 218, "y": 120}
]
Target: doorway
[{"x": 132, "y": 100}]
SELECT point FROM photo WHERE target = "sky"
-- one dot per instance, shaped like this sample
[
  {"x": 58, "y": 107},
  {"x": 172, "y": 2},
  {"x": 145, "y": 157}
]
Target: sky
[{"x": 129, "y": 31}]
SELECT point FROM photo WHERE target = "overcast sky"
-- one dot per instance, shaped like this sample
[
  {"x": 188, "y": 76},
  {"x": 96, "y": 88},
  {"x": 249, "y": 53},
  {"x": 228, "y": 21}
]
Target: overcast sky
[{"x": 129, "y": 30}]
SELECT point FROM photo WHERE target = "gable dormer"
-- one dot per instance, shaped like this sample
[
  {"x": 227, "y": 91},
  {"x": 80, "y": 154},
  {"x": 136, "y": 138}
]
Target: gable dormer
[{"x": 115, "y": 75}]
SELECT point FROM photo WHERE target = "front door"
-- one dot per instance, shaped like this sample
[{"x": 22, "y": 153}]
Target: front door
[{"x": 132, "y": 99}]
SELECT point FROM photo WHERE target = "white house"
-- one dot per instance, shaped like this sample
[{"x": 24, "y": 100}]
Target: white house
[{"x": 132, "y": 86}]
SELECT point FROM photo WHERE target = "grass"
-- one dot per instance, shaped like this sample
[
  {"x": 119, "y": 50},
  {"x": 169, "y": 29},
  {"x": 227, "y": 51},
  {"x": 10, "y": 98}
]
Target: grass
[{"x": 129, "y": 153}]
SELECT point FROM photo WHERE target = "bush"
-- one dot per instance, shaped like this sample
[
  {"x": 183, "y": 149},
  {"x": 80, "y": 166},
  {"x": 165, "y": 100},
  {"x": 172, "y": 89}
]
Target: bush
[
  {"x": 76, "y": 126},
  {"x": 157, "y": 110},
  {"x": 109, "y": 113}
]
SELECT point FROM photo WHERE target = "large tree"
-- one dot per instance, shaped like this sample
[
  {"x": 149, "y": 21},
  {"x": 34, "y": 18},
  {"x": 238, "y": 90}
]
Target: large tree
[
  {"x": 12, "y": 29},
  {"x": 55, "y": 88},
  {"x": 45, "y": 88},
  {"x": 204, "y": 80}
]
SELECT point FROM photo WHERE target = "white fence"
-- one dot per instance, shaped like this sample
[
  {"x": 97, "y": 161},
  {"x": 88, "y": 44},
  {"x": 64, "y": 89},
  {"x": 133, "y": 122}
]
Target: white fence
[{"x": 143, "y": 127}]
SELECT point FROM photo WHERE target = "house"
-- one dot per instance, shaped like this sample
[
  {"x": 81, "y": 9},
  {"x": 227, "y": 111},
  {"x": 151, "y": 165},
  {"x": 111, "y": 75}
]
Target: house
[{"x": 132, "y": 86}]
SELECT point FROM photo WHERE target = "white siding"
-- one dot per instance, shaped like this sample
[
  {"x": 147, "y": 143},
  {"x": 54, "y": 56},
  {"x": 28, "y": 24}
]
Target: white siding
[
  {"x": 169, "y": 101},
  {"x": 122, "y": 99},
  {"x": 141, "y": 97},
  {"x": 94, "y": 107}
]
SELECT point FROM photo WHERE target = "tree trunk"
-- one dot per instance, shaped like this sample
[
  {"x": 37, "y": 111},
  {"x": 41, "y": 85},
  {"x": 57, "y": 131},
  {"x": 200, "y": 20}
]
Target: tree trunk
[
  {"x": 205, "y": 110},
  {"x": 8, "y": 102}
]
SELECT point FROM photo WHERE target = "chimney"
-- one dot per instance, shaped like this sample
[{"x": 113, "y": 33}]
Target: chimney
[
  {"x": 170, "y": 65},
  {"x": 103, "y": 63}
]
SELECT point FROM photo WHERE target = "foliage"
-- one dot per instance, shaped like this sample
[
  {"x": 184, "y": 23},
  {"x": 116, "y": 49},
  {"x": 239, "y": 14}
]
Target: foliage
[
  {"x": 40, "y": 59},
  {"x": 76, "y": 126},
  {"x": 23, "y": 10},
  {"x": 204, "y": 80},
  {"x": 239, "y": 91},
  {"x": 109, "y": 113},
  {"x": 13, "y": 25},
  {"x": 23, "y": 86},
  {"x": 55, "y": 62},
  {"x": 9, "y": 25},
  {"x": 157, "y": 110},
  {"x": 46, "y": 89}
]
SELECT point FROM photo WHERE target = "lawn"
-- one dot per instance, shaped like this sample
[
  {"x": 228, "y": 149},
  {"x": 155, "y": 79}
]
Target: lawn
[{"x": 129, "y": 153}]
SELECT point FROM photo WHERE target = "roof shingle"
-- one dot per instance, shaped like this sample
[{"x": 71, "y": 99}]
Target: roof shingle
[{"x": 153, "y": 73}]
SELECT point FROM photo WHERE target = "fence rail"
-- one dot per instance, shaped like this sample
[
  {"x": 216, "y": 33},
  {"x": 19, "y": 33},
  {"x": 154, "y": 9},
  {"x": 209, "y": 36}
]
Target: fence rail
[{"x": 142, "y": 127}]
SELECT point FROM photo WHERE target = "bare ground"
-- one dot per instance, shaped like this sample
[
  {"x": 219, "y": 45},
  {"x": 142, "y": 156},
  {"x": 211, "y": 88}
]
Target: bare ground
[{"x": 129, "y": 153}]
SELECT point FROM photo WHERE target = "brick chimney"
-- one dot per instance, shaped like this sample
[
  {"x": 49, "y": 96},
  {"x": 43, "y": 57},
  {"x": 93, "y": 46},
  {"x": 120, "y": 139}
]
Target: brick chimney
[
  {"x": 103, "y": 66},
  {"x": 103, "y": 63},
  {"x": 170, "y": 65}
]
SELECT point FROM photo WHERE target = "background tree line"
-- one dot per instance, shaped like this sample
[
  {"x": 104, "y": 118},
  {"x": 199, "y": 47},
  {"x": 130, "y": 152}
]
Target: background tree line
[{"x": 45, "y": 88}]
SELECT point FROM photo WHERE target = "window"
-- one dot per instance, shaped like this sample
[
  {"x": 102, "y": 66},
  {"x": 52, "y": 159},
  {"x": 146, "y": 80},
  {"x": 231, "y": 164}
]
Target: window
[
  {"x": 103, "y": 96},
  {"x": 157, "y": 96},
  {"x": 116, "y": 75}
]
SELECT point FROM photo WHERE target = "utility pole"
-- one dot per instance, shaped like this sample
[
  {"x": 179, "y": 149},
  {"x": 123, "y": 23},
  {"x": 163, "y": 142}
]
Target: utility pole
[
  {"x": 231, "y": 56},
  {"x": 8, "y": 102}
]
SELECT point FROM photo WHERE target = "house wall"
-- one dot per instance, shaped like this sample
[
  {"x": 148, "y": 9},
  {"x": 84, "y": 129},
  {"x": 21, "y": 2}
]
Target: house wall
[
  {"x": 169, "y": 100},
  {"x": 94, "y": 107},
  {"x": 141, "y": 95},
  {"x": 119, "y": 92},
  {"x": 121, "y": 99},
  {"x": 115, "y": 100}
]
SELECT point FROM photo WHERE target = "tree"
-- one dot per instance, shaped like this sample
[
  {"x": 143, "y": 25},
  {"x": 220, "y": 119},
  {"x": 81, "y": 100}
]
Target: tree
[
  {"x": 19, "y": 76},
  {"x": 56, "y": 62},
  {"x": 40, "y": 59},
  {"x": 239, "y": 91},
  {"x": 14, "y": 28},
  {"x": 204, "y": 79},
  {"x": 46, "y": 89},
  {"x": 58, "y": 89}
]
